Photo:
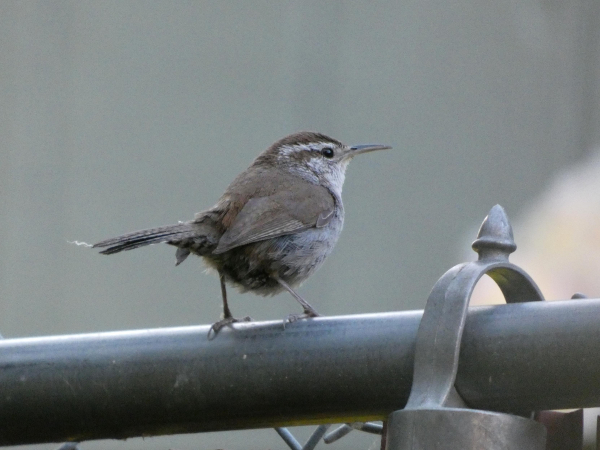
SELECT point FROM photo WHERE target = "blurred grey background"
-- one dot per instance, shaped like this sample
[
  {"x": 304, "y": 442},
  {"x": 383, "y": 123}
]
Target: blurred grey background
[{"x": 121, "y": 115}]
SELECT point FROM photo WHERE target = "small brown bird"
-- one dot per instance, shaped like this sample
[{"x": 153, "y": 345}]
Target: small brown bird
[{"x": 274, "y": 225}]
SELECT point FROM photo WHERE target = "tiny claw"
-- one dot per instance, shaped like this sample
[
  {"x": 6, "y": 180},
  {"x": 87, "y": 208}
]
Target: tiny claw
[
  {"x": 218, "y": 326},
  {"x": 311, "y": 313},
  {"x": 291, "y": 318}
]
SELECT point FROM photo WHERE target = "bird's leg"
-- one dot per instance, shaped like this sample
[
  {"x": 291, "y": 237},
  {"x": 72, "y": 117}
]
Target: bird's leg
[
  {"x": 309, "y": 311},
  {"x": 228, "y": 318},
  {"x": 226, "y": 312}
]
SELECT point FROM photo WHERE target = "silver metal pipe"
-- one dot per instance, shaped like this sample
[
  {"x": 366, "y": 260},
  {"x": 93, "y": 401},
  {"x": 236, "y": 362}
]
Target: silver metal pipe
[{"x": 518, "y": 357}]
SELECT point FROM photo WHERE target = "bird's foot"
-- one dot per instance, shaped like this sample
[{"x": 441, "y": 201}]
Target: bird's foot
[
  {"x": 218, "y": 326},
  {"x": 295, "y": 317}
]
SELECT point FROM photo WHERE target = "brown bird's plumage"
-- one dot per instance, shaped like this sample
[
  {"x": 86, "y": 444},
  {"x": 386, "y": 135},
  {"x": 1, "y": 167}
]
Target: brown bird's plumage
[{"x": 273, "y": 226}]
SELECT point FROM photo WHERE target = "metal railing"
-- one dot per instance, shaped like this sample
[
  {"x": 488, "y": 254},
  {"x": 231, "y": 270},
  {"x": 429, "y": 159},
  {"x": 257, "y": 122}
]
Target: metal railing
[{"x": 473, "y": 363}]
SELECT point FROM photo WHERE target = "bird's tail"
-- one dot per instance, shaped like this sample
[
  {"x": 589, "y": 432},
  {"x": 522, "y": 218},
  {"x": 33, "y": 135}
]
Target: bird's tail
[{"x": 140, "y": 238}]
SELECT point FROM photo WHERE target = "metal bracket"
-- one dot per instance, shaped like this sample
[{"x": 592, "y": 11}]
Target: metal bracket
[{"x": 436, "y": 416}]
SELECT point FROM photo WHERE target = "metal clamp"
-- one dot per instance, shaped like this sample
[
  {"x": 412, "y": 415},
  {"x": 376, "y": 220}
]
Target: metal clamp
[{"x": 436, "y": 416}]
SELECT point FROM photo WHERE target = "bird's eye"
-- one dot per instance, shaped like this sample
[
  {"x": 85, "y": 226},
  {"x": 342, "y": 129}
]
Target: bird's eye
[{"x": 327, "y": 152}]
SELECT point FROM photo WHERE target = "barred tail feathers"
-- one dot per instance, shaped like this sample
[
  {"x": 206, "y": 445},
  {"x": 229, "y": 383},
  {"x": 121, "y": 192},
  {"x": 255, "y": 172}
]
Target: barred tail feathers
[{"x": 141, "y": 238}]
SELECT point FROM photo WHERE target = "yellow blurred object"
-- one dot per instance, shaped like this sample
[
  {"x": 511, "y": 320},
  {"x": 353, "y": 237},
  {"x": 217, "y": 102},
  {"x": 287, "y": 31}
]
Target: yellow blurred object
[{"x": 558, "y": 237}]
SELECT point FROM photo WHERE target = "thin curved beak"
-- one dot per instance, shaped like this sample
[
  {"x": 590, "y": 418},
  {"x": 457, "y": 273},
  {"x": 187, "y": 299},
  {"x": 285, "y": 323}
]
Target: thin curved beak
[{"x": 365, "y": 148}]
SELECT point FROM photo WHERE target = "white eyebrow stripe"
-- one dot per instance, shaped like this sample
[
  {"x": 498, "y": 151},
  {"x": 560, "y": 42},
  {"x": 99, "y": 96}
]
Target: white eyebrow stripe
[{"x": 312, "y": 146}]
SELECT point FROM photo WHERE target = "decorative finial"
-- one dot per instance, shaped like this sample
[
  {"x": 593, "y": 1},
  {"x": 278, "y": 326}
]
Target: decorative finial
[{"x": 495, "y": 237}]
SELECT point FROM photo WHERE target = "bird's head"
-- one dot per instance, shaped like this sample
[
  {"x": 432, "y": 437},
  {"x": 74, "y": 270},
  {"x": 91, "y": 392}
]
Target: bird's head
[{"x": 315, "y": 157}]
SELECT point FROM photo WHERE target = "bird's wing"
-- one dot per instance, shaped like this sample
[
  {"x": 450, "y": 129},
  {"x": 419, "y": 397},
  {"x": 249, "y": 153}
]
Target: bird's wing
[{"x": 284, "y": 212}]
